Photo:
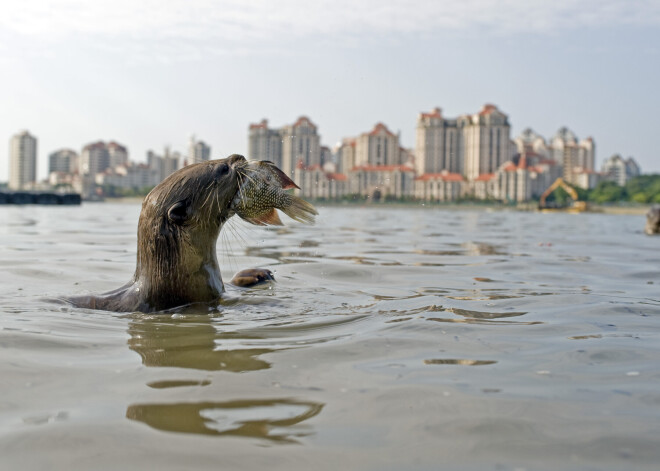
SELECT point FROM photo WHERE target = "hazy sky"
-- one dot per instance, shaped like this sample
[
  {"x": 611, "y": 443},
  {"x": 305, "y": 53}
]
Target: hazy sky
[{"x": 151, "y": 73}]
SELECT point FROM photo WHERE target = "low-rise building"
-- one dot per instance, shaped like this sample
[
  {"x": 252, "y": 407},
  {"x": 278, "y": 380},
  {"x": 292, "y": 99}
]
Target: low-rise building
[
  {"x": 382, "y": 181},
  {"x": 133, "y": 176},
  {"x": 317, "y": 183},
  {"x": 440, "y": 187}
]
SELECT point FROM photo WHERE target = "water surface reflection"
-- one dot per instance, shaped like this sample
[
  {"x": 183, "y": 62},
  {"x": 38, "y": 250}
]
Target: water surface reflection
[
  {"x": 193, "y": 344},
  {"x": 276, "y": 420}
]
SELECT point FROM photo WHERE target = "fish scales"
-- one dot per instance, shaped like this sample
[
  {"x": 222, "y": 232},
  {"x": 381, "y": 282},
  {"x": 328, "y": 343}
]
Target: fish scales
[{"x": 263, "y": 190}]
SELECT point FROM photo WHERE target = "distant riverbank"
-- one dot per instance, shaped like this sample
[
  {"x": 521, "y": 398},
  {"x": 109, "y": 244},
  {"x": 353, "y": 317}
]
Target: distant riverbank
[{"x": 614, "y": 208}]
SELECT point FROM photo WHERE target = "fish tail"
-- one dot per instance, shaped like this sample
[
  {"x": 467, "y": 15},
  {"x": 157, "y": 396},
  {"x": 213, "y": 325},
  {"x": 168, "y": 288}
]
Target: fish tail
[{"x": 300, "y": 210}]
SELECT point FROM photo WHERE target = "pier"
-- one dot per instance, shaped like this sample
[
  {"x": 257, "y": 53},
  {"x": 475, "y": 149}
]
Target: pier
[{"x": 30, "y": 197}]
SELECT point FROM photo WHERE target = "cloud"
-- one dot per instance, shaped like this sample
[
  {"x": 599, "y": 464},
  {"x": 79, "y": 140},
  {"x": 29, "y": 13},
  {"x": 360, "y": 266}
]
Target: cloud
[{"x": 216, "y": 24}]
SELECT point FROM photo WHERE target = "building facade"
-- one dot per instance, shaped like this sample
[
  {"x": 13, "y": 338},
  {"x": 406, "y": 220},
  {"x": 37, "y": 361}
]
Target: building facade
[
  {"x": 264, "y": 143},
  {"x": 486, "y": 140},
  {"x": 163, "y": 165},
  {"x": 316, "y": 183},
  {"x": 439, "y": 187},
  {"x": 63, "y": 160},
  {"x": 529, "y": 142},
  {"x": 198, "y": 151},
  {"x": 379, "y": 182},
  {"x": 300, "y": 143},
  {"x": 117, "y": 154},
  {"x": 22, "y": 161},
  {"x": 438, "y": 144},
  {"x": 286, "y": 146},
  {"x": 574, "y": 156},
  {"x": 378, "y": 147},
  {"x": 620, "y": 170},
  {"x": 94, "y": 158}
]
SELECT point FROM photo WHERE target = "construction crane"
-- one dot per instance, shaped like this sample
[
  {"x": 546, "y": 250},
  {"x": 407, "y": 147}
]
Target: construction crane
[{"x": 559, "y": 182}]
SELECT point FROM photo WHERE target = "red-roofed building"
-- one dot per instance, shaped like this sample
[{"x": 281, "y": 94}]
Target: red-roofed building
[
  {"x": 437, "y": 144},
  {"x": 287, "y": 145},
  {"x": 315, "y": 183},
  {"x": 485, "y": 141},
  {"x": 380, "y": 146},
  {"x": 99, "y": 156},
  {"x": 517, "y": 180},
  {"x": 346, "y": 154},
  {"x": 300, "y": 141},
  {"x": 264, "y": 143},
  {"x": 571, "y": 154},
  {"x": 382, "y": 181},
  {"x": 443, "y": 186}
]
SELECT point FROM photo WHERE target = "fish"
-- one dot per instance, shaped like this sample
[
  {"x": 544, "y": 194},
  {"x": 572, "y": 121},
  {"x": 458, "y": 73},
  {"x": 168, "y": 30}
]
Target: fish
[{"x": 263, "y": 190}]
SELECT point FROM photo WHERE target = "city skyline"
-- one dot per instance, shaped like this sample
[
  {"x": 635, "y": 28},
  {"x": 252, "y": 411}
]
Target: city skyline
[
  {"x": 74, "y": 72},
  {"x": 197, "y": 150}
]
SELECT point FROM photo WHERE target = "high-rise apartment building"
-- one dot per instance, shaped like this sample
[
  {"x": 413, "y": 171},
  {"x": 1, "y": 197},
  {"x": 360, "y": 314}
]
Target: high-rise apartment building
[
  {"x": 529, "y": 142},
  {"x": 163, "y": 165},
  {"x": 438, "y": 144},
  {"x": 198, "y": 151},
  {"x": 94, "y": 158},
  {"x": 286, "y": 147},
  {"x": 22, "y": 160},
  {"x": 264, "y": 143},
  {"x": 380, "y": 146},
  {"x": 573, "y": 156},
  {"x": 63, "y": 160},
  {"x": 346, "y": 155},
  {"x": 486, "y": 140},
  {"x": 300, "y": 143},
  {"x": 620, "y": 170},
  {"x": 118, "y": 154},
  {"x": 98, "y": 157}
]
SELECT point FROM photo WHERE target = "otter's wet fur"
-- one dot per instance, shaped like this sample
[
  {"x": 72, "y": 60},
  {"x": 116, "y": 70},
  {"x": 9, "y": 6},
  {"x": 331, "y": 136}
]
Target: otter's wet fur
[{"x": 179, "y": 225}]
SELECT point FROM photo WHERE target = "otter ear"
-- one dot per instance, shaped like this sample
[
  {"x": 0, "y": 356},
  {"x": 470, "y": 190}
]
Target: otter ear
[{"x": 178, "y": 213}]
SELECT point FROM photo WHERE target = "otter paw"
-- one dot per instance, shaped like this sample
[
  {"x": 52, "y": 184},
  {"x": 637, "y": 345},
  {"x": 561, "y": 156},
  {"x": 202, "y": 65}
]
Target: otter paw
[{"x": 252, "y": 277}]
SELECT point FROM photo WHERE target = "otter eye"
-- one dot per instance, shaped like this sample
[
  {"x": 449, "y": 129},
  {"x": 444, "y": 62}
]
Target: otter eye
[
  {"x": 221, "y": 170},
  {"x": 178, "y": 212}
]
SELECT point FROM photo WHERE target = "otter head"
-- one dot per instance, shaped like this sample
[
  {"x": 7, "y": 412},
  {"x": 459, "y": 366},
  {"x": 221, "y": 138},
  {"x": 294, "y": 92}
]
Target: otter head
[
  {"x": 653, "y": 220},
  {"x": 179, "y": 225}
]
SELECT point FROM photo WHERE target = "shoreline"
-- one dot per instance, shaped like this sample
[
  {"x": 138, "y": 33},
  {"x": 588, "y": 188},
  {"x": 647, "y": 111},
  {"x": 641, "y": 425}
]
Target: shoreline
[{"x": 615, "y": 208}]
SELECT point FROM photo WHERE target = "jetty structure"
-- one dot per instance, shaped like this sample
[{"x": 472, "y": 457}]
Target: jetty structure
[{"x": 34, "y": 197}]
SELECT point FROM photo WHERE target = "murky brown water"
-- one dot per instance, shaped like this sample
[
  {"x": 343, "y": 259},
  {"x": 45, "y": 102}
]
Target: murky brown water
[{"x": 395, "y": 338}]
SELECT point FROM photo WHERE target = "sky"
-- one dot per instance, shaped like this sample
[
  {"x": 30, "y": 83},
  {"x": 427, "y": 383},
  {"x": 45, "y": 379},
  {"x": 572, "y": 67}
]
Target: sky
[{"x": 152, "y": 73}]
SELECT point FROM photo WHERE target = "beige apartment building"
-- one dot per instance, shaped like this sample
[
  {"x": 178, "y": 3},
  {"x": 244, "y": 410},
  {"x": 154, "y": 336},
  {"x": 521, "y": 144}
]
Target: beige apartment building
[
  {"x": 264, "y": 143},
  {"x": 94, "y": 158},
  {"x": 439, "y": 187},
  {"x": 316, "y": 183},
  {"x": 574, "y": 156},
  {"x": 300, "y": 143},
  {"x": 63, "y": 161},
  {"x": 486, "y": 140},
  {"x": 286, "y": 146},
  {"x": 380, "y": 146},
  {"x": 22, "y": 161},
  {"x": 438, "y": 144},
  {"x": 198, "y": 151}
]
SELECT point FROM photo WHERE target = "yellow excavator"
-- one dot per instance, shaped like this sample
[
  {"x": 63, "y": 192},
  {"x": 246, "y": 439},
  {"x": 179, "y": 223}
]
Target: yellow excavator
[{"x": 576, "y": 207}]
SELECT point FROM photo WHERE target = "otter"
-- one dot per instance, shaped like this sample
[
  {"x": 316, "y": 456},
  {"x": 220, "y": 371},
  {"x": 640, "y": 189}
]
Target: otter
[
  {"x": 653, "y": 220},
  {"x": 179, "y": 225}
]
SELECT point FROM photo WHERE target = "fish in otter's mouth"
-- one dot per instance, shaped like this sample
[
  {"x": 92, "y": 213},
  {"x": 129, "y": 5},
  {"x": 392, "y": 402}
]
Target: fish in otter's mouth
[{"x": 262, "y": 190}]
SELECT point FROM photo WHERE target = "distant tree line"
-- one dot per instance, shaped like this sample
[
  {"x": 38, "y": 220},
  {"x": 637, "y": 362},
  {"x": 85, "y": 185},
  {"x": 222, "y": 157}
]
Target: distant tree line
[{"x": 642, "y": 189}]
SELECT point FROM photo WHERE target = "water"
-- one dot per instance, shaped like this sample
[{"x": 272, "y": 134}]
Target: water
[{"x": 395, "y": 338}]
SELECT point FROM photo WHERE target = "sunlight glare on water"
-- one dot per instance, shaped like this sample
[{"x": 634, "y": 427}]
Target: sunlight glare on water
[{"x": 394, "y": 338}]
